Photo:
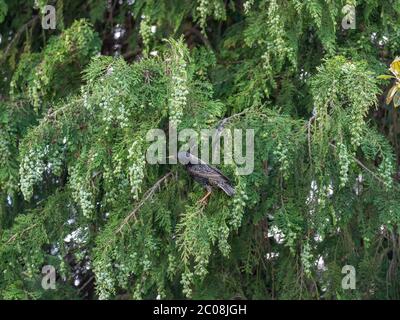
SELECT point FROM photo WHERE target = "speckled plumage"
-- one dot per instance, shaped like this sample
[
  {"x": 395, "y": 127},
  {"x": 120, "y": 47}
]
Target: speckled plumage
[{"x": 205, "y": 174}]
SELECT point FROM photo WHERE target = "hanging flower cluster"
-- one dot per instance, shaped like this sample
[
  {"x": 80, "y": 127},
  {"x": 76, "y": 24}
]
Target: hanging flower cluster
[
  {"x": 55, "y": 162},
  {"x": 223, "y": 235},
  {"x": 31, "y": 170},
  {"x": 344, "y": 163},
  {"x": 280, "y": 47},
  {"x": 202, "y": 8},
  {"x": 307, "y": 258},
  {"x": 108, "y": 112},
  {"x": 206, "y": 8},
  {"x": 386, "y": 170},
  {"x": 239, "y": 204},
  {"x": 145, "y": 32},
  {"x": 357, "y": 126},
  {"x": 179, "y": 84},
  {"x": 105, "y": 283},
  {"x": 81, "y": 193},
  {"x": 114, "y": 110},
  {"x": 76, "y": 44},
  {"x": 186, "y": 282},
  {"x": 172, "y": 265},
  {"x": 34, "y": 163},
  {"x": 281, "y": 153},
  {"x": 136, "y": 169},
  {"x": 4, "y": 147},
  {"x": 247, "y": 6},
  {"x": 116, "y": 181}
]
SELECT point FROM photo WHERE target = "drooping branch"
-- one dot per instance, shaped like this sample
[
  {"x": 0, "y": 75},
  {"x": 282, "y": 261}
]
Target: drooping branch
[
  {"x": 18, "y": 34},
  {"x": 15, "y": 236},
  {"x": 148, "y": 194},
  {"x": 363, "y": 166},
  {"x": 221, "y": 125},
  {"x": 309, "y": 136}
]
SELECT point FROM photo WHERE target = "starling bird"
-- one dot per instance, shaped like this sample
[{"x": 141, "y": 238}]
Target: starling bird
[{"x": 205, "y": 174}]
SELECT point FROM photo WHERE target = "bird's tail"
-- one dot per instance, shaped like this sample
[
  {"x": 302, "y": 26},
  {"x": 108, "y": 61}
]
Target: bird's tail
[{"x": 228, "y": 189}]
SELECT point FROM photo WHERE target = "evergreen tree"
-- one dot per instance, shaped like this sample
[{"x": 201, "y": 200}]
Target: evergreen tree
[{"x": 77, "y": 193}]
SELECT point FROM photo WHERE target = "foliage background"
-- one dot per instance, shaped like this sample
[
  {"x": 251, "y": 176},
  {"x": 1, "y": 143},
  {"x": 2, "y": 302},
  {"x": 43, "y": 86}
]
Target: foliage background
[{"x": 76, "y": 193}]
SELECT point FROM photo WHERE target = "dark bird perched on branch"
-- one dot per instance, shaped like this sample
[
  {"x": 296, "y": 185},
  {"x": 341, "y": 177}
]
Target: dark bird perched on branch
[{"x": 205, "y": 174}]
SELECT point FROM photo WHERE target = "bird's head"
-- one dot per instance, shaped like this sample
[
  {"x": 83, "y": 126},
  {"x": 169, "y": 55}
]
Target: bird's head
[{"x": 186, "y": 157}]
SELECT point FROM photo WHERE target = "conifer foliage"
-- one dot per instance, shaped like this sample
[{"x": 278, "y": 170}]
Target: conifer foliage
[{"x": 77, "y": 193}]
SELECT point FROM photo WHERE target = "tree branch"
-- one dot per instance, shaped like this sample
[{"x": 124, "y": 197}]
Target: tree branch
[
  {"x": 149, "y": 193},
  {"x": 309, "y": 136},
  {"x": 17, "y": 35},
  {"x": 373, "y": 174},
  {"x": 13, "y": 237}
]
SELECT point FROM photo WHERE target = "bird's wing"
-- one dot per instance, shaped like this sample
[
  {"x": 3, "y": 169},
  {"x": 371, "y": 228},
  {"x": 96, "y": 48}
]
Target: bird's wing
[
  {"x": 201, "y": 162},
  {"x": 221, "y": 174},
  {"x": 208, "y": 172}
]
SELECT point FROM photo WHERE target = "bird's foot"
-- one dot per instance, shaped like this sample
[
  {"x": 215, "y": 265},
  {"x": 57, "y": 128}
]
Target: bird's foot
[{"x": 203, "y": 201}]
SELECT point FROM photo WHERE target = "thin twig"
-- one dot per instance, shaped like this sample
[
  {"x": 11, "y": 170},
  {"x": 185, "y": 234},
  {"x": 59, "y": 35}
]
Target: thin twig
[
  {"x": 13, "y": 237},
  {"x": 225, "y": 120},
  {"x": 221, "y": 125},
  {"x": 149, "y": 193},
  {"x": 373, "y": 174},
  {"x": 86, "y": 283},
  {"x": 309, "y": 136},
  {"x": 18, "y": 34}
]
